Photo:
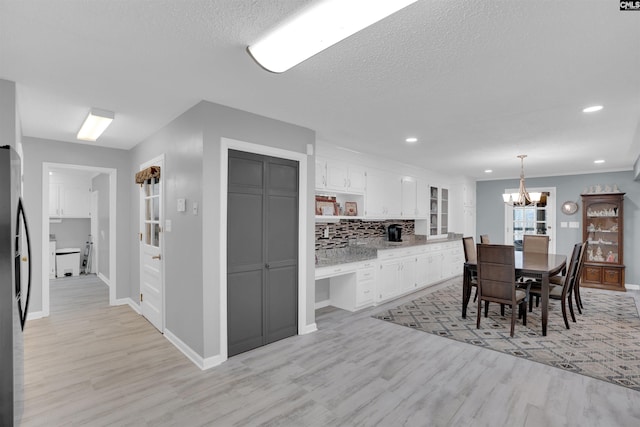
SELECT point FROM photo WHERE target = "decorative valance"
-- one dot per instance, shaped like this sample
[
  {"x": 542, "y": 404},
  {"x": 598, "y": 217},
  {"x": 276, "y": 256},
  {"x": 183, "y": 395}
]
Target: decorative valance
[{"x": 146, "y": 174}]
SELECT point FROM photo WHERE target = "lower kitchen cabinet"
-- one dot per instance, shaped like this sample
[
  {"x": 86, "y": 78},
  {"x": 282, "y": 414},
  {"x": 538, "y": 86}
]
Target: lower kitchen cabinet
[{"x": 394, "y": 273}]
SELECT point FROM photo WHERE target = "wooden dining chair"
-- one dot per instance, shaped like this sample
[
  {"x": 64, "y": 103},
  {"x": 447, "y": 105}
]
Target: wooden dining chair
[
  {"x": 563, "y": 293},
  {"x": 470, "y": 256},
  {"x": 484, "y": 239},
  {"x": 559, "y": 280},
  {"x": 534, "y": 244},
  {"x": 496, "y": 281}
]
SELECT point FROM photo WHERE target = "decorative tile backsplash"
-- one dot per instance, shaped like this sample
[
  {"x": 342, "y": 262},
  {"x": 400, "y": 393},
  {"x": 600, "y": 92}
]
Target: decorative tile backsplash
[{"x": 349, "y": 229}]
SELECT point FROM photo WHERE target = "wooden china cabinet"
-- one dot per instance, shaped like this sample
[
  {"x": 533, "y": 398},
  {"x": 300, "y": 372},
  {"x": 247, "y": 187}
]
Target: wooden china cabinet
[{"x": 602, "y": 227}]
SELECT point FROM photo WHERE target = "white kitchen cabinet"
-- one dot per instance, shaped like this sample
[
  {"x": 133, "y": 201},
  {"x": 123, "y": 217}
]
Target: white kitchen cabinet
[
  {"x": 52, "y": 259},
  {"x": 337, "y": 176},
  {"x": 438, "y": 212},
  {"x": 422, "y": 270},
  {"x": 383, "y": 196},
  {"x": 422, "y": 199},
  {"x": 351, "y": 286},
  {"x": 69, "y": 200},
  {"x": 409, "y": 198}
]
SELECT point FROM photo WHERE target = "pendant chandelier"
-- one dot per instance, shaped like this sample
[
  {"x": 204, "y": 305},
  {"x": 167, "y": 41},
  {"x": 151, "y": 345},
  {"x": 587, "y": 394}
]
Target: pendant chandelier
[{"x": 522, "y": 197}]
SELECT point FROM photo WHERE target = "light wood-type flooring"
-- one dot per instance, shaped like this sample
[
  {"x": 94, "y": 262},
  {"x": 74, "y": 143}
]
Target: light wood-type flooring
[{"x": 89, "y": 364}]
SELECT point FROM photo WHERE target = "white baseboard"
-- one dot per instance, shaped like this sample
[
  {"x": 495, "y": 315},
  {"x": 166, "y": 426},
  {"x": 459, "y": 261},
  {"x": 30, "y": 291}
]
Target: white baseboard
[
  {"x": 128, "y": 301},
  {"x": 632, "y": 287},
  {"x": 104, "y": 279},
  {"x": 198, "y": 360},
  {"x": 33, "y": 315},
  {"x": 323, "y": 304},
  {"x": 307, "y": 329}
]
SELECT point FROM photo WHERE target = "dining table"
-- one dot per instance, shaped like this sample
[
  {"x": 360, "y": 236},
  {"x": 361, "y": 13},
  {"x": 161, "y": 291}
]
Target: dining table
[{"x": 531, "y": 265}]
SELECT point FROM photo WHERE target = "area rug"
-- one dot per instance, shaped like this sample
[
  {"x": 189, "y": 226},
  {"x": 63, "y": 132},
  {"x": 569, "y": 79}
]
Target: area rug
[{"x": 603, "y": 344}]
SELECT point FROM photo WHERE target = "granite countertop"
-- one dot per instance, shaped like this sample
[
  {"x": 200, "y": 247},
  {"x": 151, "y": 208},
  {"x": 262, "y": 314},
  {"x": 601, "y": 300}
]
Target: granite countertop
[{"x": 368, "y": 249}]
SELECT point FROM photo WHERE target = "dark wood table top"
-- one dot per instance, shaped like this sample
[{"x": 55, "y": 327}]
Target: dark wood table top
[{"x": 534, "y": 263}]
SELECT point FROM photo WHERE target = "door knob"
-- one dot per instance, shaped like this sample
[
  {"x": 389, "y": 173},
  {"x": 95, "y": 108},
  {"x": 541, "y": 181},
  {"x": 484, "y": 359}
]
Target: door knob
[
  {"x": 267, "y": 265},
  {"x": 156, "y": 257}
]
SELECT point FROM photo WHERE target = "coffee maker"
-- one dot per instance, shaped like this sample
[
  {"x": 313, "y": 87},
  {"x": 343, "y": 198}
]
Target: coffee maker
[{"x": 394, "y": 233}]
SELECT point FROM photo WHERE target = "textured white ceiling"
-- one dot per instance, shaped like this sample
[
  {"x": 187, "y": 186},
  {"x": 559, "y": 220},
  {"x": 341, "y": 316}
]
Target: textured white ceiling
[{"x": 477, "y": 82}]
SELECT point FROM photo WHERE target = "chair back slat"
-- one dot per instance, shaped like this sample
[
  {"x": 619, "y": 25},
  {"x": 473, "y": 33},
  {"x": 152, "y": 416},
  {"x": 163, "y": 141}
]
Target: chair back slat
[
  {"x": 469, "y": 250},
  {"x": 484, "y": 239},
  {"x": 533, "y": 243},
  {"x": 496, "y": 273},
  {"x": 572, "y": 270}
]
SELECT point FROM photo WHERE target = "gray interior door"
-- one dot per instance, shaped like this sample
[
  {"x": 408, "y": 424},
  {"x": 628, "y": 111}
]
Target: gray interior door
[{"x": 262, "y": 250}]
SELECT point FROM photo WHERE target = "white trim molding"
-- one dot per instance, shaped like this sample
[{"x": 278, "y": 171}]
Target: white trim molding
[
  {"x": 130, "y": 302},
  {"x": 33, "y": 315},
  {"x": 198, "y": 360},
  {"x": 227, "y": 144}
]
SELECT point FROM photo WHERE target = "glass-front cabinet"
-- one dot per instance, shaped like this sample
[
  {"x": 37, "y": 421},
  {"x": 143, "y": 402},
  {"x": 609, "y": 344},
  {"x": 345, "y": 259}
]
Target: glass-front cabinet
[
  {"x": 438, "y": 212},
  {"x": 602, "y": 226}
]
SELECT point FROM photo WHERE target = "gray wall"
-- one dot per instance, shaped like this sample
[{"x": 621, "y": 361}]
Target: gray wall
[
  {"x": 101, "y": 184},
  {"x": 490, "y": 210},
  {"x": 8, "y": 114},
  {"x": 191, "y": 145},
  {"x": 181, "y": 143},
  {"x": 224, "y": 122},
  {"x": 38, "y": 151},
  {"x": 71, "y": 232}
]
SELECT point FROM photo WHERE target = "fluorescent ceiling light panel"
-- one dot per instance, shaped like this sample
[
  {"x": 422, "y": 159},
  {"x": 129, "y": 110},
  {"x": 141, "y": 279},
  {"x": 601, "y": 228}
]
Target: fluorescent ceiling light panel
[
  {"x": 411, "y": 140},
  {"x": 95, "y": 123},
  {"x": 598, "y": 161},
  {"x": 592, "y": 109},
  {"x": 315, "y": 28}
]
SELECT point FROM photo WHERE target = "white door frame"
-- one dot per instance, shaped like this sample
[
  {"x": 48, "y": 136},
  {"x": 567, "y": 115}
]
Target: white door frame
[
  {"x": 46, "y": 168},
  {"x": 95, "y": 229},
  {"x": 230, "y": 144},
  {"x": 158, "y": 160},
  {"x": 551, "y": 215}
]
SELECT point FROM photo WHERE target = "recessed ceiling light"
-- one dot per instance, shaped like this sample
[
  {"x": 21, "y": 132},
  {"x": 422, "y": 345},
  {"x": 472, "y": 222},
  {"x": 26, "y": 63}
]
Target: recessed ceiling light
[
  {"x": 411, "y": 140},
  {"x": 488, "y": 170},
  {"x": 598, "y": 161},
  {"x": 592, "y": 109}
]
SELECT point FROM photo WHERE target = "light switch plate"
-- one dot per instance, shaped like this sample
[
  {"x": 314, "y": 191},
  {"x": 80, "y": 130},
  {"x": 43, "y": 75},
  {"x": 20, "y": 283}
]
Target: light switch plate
[
  {"x": 182, "y": 205},
  {"x": 563, "y": 224},
  {"x": 574, "y": 224},
  {"x": 167, "y": 225}
]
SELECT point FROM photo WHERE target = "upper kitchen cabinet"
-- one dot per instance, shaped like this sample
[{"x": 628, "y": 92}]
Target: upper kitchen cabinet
[
  {"x": 336, "y": 176},
  {"x": 438, "y": 212},
  {"x": 69, "y": 196},
  {"x": 384, "y": 195},
  {"x": 409, "y": 198},
  {"x": 422, "y": 200}
]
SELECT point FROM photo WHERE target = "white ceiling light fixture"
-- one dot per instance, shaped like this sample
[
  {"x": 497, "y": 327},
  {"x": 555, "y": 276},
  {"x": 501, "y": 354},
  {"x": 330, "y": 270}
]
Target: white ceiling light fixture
[
  {"x": 95, "y": 124},
  {"x": 592, "y": 109},
  {"x": 488, "y": 171},
  {"x": 411, "y": 140},
  {"x": 522, "y": 197},
  {"x": 317, "y": 27},
  {"x": 597, "y": 162}
]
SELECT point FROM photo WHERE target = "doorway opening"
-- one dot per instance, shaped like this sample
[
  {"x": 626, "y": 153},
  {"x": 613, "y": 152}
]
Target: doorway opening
[
  {"x": 539, "y": 218},
  {"x": 67, "y": 208}
]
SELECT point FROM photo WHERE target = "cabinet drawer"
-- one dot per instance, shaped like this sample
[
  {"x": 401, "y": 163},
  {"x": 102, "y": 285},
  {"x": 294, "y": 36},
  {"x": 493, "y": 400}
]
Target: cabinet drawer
[
  {"x": 366, "y": 274},
  {"x": 592, "y": 274},
  {"x": 611, "y": 276},
  {"x": 364, "y": 292}
]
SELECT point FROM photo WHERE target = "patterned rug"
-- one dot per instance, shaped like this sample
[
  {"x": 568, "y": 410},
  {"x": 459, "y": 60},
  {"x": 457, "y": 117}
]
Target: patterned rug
[{"x": 603, "y": 344}]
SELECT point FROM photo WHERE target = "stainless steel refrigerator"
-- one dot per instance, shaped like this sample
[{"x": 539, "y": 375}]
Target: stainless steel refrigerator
[{"x": 15, "y": 285}]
